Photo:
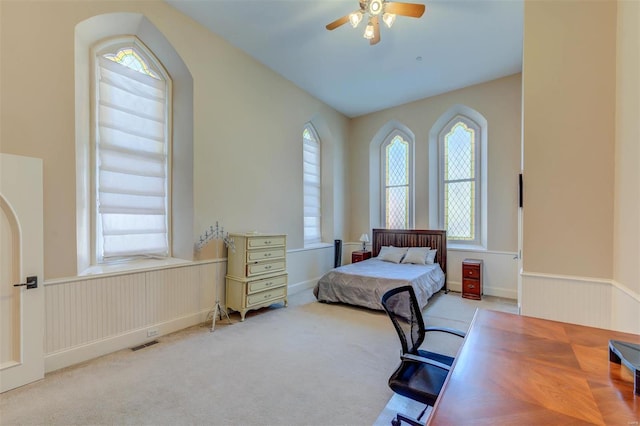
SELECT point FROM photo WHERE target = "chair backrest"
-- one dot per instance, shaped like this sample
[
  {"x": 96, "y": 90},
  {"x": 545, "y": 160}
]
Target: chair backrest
[{"x": 398, "y": 303}]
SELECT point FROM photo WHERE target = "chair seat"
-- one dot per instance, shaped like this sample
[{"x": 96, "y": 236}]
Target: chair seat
[
  {"x": 418, "y": 381},
  {"x": 414, "y": 379}
]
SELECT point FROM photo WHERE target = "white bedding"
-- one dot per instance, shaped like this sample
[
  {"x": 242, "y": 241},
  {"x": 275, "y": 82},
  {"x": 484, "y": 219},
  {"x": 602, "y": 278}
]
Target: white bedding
[{"x": 364, "y": 283}]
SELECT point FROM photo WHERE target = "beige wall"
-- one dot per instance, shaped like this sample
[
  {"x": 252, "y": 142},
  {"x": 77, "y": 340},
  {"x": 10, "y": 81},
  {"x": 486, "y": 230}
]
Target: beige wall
[
  {"x": 247, "y": 124},
  {"x": 499, "y": 102},
  {"x": 569, "y": 137},
  {"x": 626, "y": 251},
  {"x": 581, "y": 158}
]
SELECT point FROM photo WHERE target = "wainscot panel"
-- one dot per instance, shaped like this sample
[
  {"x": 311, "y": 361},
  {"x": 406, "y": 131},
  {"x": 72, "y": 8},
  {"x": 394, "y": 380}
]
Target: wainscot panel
[
  {"x": 87, "y": 317},
  {"x": 579, "y": 300}
]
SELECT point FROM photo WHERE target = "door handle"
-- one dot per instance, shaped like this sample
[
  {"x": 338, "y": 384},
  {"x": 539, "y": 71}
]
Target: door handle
[{"x": 32, "y": 282}]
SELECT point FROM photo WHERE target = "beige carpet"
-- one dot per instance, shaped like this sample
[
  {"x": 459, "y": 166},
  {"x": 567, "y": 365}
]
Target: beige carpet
[{"x": 308, "y": 364}]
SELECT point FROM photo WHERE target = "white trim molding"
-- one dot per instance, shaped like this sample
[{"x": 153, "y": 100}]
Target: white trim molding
[{"x": 594, "y": 302}]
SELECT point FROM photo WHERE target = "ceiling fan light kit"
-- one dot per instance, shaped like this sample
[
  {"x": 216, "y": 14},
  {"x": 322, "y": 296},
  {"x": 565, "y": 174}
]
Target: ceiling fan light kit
[
  {"x": 369, "y": 31},
  {"x": 373, "y": 8},
  {"x": 355, "y": 18}
]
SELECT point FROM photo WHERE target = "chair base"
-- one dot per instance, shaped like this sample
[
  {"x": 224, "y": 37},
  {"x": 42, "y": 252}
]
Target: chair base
[{"x": 410, "y": 420}]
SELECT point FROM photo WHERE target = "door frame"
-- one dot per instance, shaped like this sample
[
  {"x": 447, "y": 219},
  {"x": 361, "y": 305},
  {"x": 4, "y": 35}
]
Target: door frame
[{"x": 21, "y": 187}]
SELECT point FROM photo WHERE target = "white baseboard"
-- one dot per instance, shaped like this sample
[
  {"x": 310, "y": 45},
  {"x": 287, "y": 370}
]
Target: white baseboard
[
  {"x": 506, "y": 293},
  {"x": 301, "y": 286},
  {"x": 57, "y": 360}
]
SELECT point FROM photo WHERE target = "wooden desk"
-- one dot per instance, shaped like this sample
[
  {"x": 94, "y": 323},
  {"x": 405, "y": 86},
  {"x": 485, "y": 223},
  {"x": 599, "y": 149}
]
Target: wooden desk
[{"x": 520, "y": 370}]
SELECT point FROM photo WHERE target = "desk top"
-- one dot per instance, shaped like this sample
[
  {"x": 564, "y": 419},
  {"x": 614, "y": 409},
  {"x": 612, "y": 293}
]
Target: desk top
[{"x": 513, "y": 369}]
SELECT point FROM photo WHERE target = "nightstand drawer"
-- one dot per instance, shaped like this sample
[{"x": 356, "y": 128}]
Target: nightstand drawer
[
  {"x": 470, "y": 286},
  {"x": 471, "y": 271}
]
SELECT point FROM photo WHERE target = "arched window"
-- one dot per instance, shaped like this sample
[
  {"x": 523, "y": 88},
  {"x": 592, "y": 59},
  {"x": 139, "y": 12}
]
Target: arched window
[
  {"x": 131, "y": 151},
  {"x": 460, "y": 184},
  {"x": 396, "y": 157},
  {"x": 312, "y": 186}
]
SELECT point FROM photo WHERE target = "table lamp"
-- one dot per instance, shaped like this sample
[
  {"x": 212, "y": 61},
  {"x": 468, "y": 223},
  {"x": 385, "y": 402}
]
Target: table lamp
[{"x": 365, "y": 239}]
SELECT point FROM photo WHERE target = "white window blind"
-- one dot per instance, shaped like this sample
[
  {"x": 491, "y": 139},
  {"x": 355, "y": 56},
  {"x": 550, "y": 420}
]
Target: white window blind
[
  {"x": 131, "y": 154},
  {"x": 312, "y": 188}
]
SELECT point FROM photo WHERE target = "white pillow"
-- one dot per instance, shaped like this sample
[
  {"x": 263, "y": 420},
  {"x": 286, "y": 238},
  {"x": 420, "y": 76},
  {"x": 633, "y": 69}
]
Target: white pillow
[
  {"x": 431, "y": 257},
  {"x": 416, "y": 255},
  {"x": 392, "y": 254}
]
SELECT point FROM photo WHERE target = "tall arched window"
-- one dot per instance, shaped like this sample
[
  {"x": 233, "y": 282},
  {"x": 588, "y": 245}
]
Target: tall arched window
[
  {"x": 312, "y": 186},
  {"x": 460, "y": 184},
  {"x": 397, "y": 181},
  {"x": 131, "y": 148}
]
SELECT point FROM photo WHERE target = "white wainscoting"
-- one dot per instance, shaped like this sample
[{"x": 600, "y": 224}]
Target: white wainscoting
[
  {"x": 305, "y": 266},
  {"x": 87, "y": 317},
  {"x": 625, "y": 309},
  {"x": 580, "y": 300},
  {"x": 500, "y": 271}
]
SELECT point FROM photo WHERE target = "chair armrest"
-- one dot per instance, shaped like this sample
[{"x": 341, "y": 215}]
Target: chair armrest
[
  {"x": 423, "y": 360},
  {"x": 446, "y": 330}
]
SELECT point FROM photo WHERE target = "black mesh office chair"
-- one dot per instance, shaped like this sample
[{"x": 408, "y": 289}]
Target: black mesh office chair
[{"x": 421, "y": 373}]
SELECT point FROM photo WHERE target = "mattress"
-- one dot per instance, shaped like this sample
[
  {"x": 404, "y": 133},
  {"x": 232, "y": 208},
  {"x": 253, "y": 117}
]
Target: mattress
[{"x": 364, "y": 283}]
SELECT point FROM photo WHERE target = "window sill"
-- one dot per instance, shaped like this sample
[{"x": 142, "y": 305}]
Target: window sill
[
  {"x": 465, "y": 247},
  {"x": 315, "y": 246},
  {"x": 134, "y": 265}
]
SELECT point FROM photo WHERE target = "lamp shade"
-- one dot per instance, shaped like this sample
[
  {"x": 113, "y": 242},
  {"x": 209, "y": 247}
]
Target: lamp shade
[{"x": 364, "y": 238}]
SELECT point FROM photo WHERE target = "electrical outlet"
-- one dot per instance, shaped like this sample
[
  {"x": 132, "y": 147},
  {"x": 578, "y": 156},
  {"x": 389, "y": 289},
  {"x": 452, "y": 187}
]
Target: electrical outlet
[{"x": 152, "y": 332}]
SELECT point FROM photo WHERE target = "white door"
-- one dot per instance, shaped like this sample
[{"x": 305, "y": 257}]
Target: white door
[{"x": 21, "y": 256}]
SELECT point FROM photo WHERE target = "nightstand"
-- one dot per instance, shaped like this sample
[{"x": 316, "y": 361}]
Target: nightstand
[
  {"x": 360, "y": 255},
  {"x": 472, "y": 279}
]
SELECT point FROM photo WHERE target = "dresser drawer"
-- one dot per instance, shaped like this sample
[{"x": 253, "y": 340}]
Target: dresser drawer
[
  {"x": 267, "y": 241},
  {"x": 257, "y": 255},
  {"x": 265, "y": 296},
  {"x": 267, "y": 283},
  {"x": 265, "y": 267}
]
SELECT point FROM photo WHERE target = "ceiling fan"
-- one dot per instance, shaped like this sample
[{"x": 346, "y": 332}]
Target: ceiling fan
[{"x": 374, "y": 9}]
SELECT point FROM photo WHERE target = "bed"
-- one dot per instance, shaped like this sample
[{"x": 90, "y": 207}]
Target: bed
[{"x": 364, "y": 283}]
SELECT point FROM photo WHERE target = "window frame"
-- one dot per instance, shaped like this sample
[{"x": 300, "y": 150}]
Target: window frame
[
  {"x": 391, "y": 136},
  {"x": 479, "y": 171},
  {"x": 111, "y": 45}
]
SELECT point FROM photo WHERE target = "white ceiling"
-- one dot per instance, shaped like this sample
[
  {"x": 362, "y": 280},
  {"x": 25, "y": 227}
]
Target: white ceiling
[{"x": 460, "y": 43}]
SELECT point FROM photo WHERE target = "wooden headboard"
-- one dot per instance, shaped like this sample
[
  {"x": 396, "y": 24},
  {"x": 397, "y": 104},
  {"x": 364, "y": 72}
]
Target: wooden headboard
[{"x": 436, "y": 239}]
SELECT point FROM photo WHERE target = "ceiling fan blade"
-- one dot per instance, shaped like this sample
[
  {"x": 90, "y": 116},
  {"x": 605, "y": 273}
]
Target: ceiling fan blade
[
  {"x": 413, "y": 10},
  {"x": 376, "y": 31},
  {"x": 340, "y": 21}
]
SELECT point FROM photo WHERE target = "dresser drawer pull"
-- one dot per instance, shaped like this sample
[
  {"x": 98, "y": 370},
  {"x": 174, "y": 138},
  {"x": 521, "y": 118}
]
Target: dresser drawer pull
[
  {"x": 268, "y": 267},
  {"x": 470, "y": 272},
  {"x": 268, "y": 284},
  {"x": 267, "y": 254},
  {"x": 472, "y": 286}
]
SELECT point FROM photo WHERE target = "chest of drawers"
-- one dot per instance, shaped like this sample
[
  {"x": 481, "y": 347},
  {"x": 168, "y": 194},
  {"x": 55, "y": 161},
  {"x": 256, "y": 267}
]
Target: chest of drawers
[{"x": 256, "y": 272}]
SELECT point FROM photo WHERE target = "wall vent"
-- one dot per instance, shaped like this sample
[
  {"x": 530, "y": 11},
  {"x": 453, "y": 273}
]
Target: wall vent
[{"x": 144, "y": 345}]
